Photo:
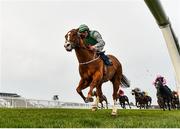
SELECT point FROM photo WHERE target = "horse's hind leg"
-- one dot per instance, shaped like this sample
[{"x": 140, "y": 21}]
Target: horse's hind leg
[
  {"x": 128, "y": 103},
  {"x": 99, "y": 96}
]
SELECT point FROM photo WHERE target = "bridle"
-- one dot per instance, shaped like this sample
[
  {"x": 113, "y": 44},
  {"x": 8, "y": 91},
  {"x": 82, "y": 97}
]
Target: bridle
[{"x": 75, "y": 45}]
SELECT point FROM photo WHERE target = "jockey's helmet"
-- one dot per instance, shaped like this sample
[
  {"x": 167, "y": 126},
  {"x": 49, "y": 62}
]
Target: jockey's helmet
[{"x": 83, "y": 28}]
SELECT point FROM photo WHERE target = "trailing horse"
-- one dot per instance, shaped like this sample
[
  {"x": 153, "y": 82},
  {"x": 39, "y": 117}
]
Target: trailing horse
[
  {"x": 163, "y": 93},
  {"x": 93, "y": 72},
  {"x": 175, "y": 100},
  {"x": 141, "y": 100},
  {"x": 123, "y": 100}
]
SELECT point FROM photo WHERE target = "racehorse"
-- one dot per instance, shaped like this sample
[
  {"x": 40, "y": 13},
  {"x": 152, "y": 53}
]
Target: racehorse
[
  {"x": 142, "y": 101},
  {"x": 101, "y": 100},
  {"x": 175, "y": 100},
  {"x": 122, "y": 100},
  {"x": 164, "y": 93},
  {"x": 93, "y": 72}
]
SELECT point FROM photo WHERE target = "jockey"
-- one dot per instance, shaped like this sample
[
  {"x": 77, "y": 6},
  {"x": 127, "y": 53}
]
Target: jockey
[
  {"x": 175, "y": 93},
  {"x": 145, "y": 93},
  {"x": 121, "y": 92},
  {"x": 95, "y": 42},
  {"x": 160, "y": 78},
  {"x": 137, "y": 90}
]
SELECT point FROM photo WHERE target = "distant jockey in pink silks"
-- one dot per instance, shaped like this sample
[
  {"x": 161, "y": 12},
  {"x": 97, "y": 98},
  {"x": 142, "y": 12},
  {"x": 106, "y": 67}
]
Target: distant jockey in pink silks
[
  {"x": 160, "y": 78},
  {"x": 121, "y": 92}
]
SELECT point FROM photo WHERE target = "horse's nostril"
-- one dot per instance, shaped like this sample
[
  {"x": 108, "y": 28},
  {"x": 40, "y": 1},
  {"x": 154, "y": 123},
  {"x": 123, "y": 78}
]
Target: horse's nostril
[{"x": 67, "y": 45}]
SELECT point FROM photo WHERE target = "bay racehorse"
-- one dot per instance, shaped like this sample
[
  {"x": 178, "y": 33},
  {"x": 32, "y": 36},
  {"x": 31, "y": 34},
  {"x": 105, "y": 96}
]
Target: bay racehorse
[
  {"x": 175, "y": 100},
  {"x": 141, "y": 100},
  {"x": 93, "y": 72},
  {"x": 123, "y": 100}
]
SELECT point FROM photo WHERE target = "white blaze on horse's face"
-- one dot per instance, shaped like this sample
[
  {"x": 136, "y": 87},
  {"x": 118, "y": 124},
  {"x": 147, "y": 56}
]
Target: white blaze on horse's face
[{"x": 68, "y": 45}]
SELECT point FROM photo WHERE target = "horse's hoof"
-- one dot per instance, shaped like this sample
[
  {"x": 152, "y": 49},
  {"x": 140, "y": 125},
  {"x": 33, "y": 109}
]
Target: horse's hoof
[
  {"x": 88, "y": 99},
  {"x": 114, "y": 114},
  {"x": 94, "y": 109},
  {"x": 91, "y": 99}
]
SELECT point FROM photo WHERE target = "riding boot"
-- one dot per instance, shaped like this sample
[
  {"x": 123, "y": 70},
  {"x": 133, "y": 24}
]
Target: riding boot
[{"x": 105, "y": 58}]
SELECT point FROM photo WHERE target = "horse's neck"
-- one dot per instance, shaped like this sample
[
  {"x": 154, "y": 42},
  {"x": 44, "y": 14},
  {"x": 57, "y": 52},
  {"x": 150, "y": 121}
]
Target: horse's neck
[{"x": 84, "y": 55}]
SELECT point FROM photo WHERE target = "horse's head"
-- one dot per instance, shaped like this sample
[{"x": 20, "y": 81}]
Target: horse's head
[
  {"x": 135, "y": 91},
  {"x": 73, "y": 40},
  {"x": 158, "y": 83}
]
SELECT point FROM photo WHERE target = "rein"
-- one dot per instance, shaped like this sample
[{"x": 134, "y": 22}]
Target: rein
[{"x": 84, "y": 63}]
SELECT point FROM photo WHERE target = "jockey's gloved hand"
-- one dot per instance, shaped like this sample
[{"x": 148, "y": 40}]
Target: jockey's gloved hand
[{"x": 93, "y": 48}]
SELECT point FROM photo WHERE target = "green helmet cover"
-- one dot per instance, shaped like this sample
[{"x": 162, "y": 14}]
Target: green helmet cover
[{"x": 83, "y": 28}]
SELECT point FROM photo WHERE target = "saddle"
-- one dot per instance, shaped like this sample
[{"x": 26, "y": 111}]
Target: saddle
[{"x": 105, "y": 58}]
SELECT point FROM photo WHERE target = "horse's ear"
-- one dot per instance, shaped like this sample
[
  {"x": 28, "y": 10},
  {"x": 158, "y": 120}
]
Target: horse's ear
[
  {"x": 65, "y": 36},
  {"x": 77, "y": 29}
]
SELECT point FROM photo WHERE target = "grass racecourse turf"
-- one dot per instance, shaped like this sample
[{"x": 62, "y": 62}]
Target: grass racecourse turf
[{"x": 85, "y": 118}]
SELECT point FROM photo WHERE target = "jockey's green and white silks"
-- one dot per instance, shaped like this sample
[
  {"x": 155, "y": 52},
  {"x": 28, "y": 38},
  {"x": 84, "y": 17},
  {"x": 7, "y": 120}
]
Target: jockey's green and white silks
[{"x": 94, "y": 38}]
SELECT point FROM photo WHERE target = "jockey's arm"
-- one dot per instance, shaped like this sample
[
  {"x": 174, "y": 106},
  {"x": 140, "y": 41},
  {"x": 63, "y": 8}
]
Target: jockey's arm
[{"x": 100, "y": 45}]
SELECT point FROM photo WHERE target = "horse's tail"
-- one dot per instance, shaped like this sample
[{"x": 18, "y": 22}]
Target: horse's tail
[{"x": 125, "y": 82}]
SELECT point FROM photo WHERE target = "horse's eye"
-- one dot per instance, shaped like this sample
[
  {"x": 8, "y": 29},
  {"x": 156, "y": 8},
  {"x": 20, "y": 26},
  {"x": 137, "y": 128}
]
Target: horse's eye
[{"x": 74, "y": 34}]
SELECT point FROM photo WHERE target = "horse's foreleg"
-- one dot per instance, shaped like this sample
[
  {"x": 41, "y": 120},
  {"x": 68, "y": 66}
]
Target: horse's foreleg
[
  {"x": 114, "y": 109},
  {"x": 95, "y": 82},
  {"x": 124, "y": 105},
  {"x": 168, "y": 103},
  {"x": 164, "y": 104},
  {"x": 82, "y": 85},
  {"x": 137, "y": 104}
]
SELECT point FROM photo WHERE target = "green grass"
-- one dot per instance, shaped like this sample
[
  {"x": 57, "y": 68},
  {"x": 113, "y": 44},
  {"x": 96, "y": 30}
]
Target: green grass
[{"x": 85, "y": 118}]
